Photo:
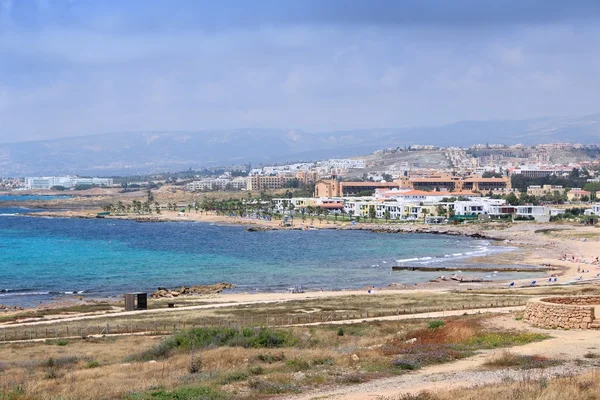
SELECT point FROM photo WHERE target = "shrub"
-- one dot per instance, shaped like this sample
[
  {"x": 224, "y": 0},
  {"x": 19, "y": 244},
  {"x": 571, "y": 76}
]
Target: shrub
[
  {"x": 340, "y": 332},
  {"x": 92, "y": 364},
  {"x": 405, "y": 364},
  {"x": 590, "y": 354},
  {"x": 185, "y": 393},
  {"x": 257, "y": 370},
  {"x": 272, "y": 387},
  {"x": 351, "y": 378},
  {"x": 298, "y": 364},
  {"x": 271, "y": 358},
  {"x": 507, "y": 359},
  {"x": 436, "y": 324},
  {"x": 57, "y": 342},
  {"x": 195, "y": 365},
  {"x": 234, "y": 376}
]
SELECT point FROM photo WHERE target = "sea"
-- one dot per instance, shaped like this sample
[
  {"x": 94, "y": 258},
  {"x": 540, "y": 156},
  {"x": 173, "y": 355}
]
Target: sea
[{"x": 44, "y": 259}]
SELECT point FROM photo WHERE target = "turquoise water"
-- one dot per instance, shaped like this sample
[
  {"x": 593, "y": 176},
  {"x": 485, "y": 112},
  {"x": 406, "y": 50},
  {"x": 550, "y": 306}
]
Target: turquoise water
[
  {"x": 31, "y": 197},
  {"x": 42, "y": 258}
]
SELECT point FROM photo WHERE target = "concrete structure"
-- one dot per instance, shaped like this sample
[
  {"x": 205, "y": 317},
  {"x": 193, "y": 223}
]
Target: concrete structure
[
  {"x": 574, "y": 312},
  {"x": 47, "y": 182},
  {"x": 539, "y": 191}
]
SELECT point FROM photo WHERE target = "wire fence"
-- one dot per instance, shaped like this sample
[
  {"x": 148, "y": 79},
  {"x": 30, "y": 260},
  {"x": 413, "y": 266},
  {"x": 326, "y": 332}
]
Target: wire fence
[{"x": 80, "y": 329}]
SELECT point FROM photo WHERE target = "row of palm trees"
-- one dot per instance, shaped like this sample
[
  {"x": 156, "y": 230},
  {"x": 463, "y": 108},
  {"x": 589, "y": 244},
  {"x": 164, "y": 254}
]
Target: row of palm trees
[
  {"x": 136, "y": 207},
  {"x": 230, "y": 207}
]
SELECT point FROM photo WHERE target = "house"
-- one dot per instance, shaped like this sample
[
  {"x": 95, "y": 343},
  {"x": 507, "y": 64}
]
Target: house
[{"x": 576, "y": 194}]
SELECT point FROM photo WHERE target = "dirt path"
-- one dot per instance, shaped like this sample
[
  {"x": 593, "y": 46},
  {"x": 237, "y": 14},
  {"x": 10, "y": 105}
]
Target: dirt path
[{"x": 565, "y": 345}]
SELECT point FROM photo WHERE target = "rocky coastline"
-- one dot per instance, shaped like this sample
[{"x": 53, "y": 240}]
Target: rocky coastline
[{"x": 164, "y": 293}]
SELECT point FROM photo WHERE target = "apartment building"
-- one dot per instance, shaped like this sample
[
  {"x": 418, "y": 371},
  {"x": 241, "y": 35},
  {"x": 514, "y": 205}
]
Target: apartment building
[{"x": 268, "y": 182}]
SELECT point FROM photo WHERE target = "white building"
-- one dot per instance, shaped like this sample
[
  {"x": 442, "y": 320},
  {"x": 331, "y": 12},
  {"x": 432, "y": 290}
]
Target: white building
[
  {"x": 47, "y": 182},
  {"x": 238, "y": 183}
]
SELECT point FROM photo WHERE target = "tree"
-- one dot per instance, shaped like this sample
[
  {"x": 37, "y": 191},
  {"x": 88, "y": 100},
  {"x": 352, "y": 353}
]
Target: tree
[
  {"x": 387, "y": 177},
  {"x": 372, "y": 213},
  {"x": 157, "y": 207},
  {"x": 387, "y": 215},
  {"x": 574, "y": 174},
  {"x": 292, "y": 183},
  {"x": 150, "y": 196},
  {"x": 585, "y": 198},
  {"x": 512, "y": 199},
  {"x": 490, "y": 174}
]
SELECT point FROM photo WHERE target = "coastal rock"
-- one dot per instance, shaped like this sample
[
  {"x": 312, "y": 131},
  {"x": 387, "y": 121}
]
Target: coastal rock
[
  {"x": 258, "y": 229},
  {"x": 164, "y": 293},
  {"x": 10, "y": 308}
]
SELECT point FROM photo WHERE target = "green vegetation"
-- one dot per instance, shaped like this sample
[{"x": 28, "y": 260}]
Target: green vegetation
[
  {"x": 491, "y": 340},
  {"x": 436, "y": 324},
  {"x": 204, "y": 337},
  {"x": 185, "y": 393}
]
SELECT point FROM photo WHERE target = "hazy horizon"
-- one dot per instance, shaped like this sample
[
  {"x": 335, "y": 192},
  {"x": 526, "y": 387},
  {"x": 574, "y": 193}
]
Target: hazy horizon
[{"x": 74, "y": 68}]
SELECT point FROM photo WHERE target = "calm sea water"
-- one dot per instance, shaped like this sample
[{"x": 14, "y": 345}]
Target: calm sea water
[
  {"x": 45, "y": 258},
  {"x": 31, "y": 197}
]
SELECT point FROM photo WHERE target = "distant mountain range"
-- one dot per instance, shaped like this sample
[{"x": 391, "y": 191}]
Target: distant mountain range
[{"x": 128, "y": 153}]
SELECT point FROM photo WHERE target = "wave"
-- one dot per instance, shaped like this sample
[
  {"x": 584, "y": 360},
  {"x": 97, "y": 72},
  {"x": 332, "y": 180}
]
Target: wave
[
  {"x": 24, "y": 294},
  {"x": 479, "y": 250},
  {"x": 32, "y": 292}
]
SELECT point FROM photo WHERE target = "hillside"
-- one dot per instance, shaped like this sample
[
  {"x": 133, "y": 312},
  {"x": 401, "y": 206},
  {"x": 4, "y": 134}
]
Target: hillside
[{"x": 141, "y": 152}]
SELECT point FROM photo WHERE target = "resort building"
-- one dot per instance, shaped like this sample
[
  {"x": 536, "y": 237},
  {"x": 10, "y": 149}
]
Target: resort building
[
  {"x": 459, "y": 184},
  {"x": 439, "y": 183},
  {"x": 335, "y": 188}
]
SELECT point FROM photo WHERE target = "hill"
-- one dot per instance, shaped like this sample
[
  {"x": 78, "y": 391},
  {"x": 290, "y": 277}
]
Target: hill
[{"x": 154, "y": 151}]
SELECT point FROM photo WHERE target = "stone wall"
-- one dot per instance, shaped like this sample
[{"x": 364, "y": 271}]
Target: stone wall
[
  {"x": 574, "y": 300},
  {"x": 575, "y": 312}
]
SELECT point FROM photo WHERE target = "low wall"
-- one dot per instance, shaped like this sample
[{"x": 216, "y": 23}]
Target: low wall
[{"x": 576, "y": 312}]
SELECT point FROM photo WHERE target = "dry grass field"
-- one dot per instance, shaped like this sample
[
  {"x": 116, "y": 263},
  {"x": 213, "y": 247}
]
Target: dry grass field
[{"x": 240, "y": 363}]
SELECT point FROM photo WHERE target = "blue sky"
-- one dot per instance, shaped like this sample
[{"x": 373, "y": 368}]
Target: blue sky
[{"x": 75, "y": 67}]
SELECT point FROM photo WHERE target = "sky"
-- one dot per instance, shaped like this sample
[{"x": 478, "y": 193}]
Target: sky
[{"x": 79, "y": 67}]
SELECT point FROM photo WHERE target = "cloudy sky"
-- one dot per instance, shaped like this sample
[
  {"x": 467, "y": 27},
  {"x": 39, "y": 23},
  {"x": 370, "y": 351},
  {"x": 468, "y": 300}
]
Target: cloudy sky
[{"x": 70, "y": 67}]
